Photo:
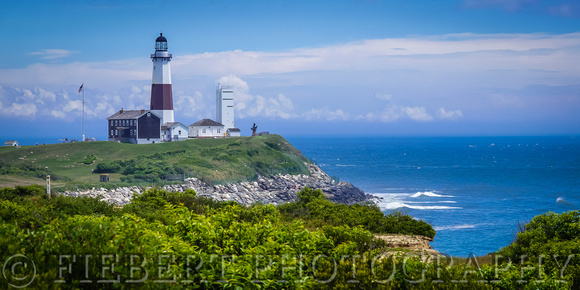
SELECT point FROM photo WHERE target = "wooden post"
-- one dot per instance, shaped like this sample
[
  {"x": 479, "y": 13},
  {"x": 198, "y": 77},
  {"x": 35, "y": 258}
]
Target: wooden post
[{"x": 48, "y": 185}]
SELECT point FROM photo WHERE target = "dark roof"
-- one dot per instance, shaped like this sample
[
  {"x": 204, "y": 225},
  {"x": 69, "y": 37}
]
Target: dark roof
[
  {"x": 128, "y": 114},
  {"x": 234, "y": 130},
  {"x": 161, "y": 38},
  {"x": 170, "y": 125},
  {"x": 206, "y": 122}
]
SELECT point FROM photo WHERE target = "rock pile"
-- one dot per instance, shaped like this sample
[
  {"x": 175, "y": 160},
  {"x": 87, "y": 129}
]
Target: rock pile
[
  {"x": 276, "y": 189},
  {"x": 410, "y": 245}
]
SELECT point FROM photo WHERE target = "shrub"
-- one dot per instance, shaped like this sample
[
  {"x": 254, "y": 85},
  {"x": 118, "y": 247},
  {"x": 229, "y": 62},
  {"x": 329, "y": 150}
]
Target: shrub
[{"x": 107, "y": 167}]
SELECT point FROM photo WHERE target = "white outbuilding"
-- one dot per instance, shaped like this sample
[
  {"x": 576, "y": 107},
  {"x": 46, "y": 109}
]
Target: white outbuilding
[
  {"x": 174, "y": 131},
  {"x": 233, "y": 132},
  {"x": 11, "y": 143},
  {"x": 206, "y": 128}
]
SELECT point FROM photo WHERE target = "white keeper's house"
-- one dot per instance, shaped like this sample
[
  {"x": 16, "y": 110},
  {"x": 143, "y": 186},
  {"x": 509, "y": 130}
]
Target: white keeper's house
[
  {"x": 206, "y": 128},
  {"x": 174, "y": 131}
]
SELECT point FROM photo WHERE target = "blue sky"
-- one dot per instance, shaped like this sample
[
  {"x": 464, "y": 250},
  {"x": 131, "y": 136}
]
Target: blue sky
[{"x": 399, "y": 67}]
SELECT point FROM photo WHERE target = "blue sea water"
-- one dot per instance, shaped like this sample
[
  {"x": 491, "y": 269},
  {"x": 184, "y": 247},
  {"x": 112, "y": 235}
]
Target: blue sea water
[{"x": 472, "y": 190}]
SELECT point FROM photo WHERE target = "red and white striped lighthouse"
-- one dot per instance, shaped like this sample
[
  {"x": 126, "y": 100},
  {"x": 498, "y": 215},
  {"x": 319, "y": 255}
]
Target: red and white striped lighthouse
[{"x": 161, "y": 95}]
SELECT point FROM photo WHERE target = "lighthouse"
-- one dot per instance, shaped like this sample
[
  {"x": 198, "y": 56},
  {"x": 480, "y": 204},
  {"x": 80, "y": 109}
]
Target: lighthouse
[{"x": 161, "y": 95}]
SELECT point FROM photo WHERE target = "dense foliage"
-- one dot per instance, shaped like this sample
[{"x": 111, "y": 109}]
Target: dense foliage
[
  {"x": 317, "y": 211},
  {"x": 552, "y": 240},
  {"x": 179, "y": 240},
  {"x": 28, "y": 170}
]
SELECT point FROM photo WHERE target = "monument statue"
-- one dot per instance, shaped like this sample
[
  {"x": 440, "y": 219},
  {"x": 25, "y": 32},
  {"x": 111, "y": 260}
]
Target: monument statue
[{"x": 254, "y": 128}]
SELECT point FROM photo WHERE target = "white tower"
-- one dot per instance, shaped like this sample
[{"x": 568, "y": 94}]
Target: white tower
[
  {"x": 161, "y": 92},
  {"x": 224, "y": 103}
]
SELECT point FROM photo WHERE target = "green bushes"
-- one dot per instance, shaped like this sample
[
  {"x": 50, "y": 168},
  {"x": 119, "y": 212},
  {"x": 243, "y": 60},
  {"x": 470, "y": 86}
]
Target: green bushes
[
  {"x": 317, "y": 211},
  {"x": 107, "y": 167},
  {"x": 89, "y": 159},
  {"x": 552, "y": 240},
  {"x": 180, "y": 240},
  {"x": 23, "y": 168}
]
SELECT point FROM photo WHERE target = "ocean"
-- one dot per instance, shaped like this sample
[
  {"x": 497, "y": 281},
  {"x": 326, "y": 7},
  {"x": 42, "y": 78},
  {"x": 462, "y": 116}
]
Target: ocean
[{"x": 472, "y": 190}]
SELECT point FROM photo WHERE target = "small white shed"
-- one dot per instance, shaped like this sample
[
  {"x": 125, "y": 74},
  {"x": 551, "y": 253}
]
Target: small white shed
[
  {"x": 233, "y": 132},
  {"x": 11, "y": 143}
]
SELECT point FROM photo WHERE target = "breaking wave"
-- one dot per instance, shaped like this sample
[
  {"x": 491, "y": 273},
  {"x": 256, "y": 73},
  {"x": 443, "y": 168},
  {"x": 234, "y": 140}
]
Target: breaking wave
[
  {"x": 430, "y": 194},
  {"x": 454, "y": 228},
  {"x": 459, "y": 227},
  {"x": 398, "y": 204}
]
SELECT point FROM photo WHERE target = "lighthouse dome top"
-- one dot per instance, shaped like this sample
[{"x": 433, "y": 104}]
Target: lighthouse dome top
[
  {"x": 161, "y": 38},
  {"x": 161, "y": 42}
]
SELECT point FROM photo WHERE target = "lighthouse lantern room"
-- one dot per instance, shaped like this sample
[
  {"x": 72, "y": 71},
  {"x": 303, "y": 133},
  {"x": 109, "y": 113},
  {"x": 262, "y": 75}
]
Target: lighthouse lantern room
[{"x": 161, "y": 91}]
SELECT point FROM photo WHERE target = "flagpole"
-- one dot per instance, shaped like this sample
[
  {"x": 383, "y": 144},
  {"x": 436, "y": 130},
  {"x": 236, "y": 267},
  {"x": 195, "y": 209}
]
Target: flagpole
[{"x": 83, "y": 113}]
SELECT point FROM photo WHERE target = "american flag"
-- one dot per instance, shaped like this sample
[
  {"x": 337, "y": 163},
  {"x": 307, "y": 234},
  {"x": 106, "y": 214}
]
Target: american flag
[{"x": 81, "y": 88}]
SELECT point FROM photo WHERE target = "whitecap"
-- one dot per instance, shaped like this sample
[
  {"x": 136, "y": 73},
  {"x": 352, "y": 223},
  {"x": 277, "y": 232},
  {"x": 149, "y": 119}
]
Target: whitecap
[
  {"x": 346, "y": 165},
  {"x": 459, "y": 227},
  {"x": 397, "y": 204},
  {"x": 430, "y": 194},
  {"x": 563, "y": 201},
  {"x": 454, "y": 228}
]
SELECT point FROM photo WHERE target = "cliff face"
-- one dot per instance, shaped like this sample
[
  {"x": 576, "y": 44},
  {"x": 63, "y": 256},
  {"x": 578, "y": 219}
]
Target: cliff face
[{"x": 275, "y": 189}]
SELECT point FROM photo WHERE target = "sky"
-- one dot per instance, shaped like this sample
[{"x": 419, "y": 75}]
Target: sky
[{"x": 299, "y": 68}]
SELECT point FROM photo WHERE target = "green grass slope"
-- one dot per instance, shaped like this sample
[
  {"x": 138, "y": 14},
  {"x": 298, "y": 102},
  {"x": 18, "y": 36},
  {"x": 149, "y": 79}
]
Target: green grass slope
[{"x": 213, "y": 160}]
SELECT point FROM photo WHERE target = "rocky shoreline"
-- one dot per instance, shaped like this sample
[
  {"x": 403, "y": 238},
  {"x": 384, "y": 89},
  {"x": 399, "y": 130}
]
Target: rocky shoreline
[{"x": 275, "y": 189}]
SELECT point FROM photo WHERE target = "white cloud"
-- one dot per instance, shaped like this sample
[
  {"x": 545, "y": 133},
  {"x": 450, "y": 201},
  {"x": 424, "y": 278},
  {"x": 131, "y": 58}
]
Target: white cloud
[
  {"x": 57, "y": 114},
  {"x": 418, "y": 114},
  {"x": 193, "y": 106},
  {"x": 247, "y": 105},
  {"x": 396, "y": 112},
  {"x": 73, "y": 105},
  {"x": 325, "y": 113},
  {"x": 52, "y": 54},
  {"x": 442, "y": 114},
  {"x": 20, "y": 110}
]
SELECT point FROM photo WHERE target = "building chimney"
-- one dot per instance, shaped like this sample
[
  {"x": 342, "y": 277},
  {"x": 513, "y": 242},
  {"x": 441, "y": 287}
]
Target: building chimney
[
  {"x": 121, "y": 111},
  {"x": 142, "y": 111}
]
